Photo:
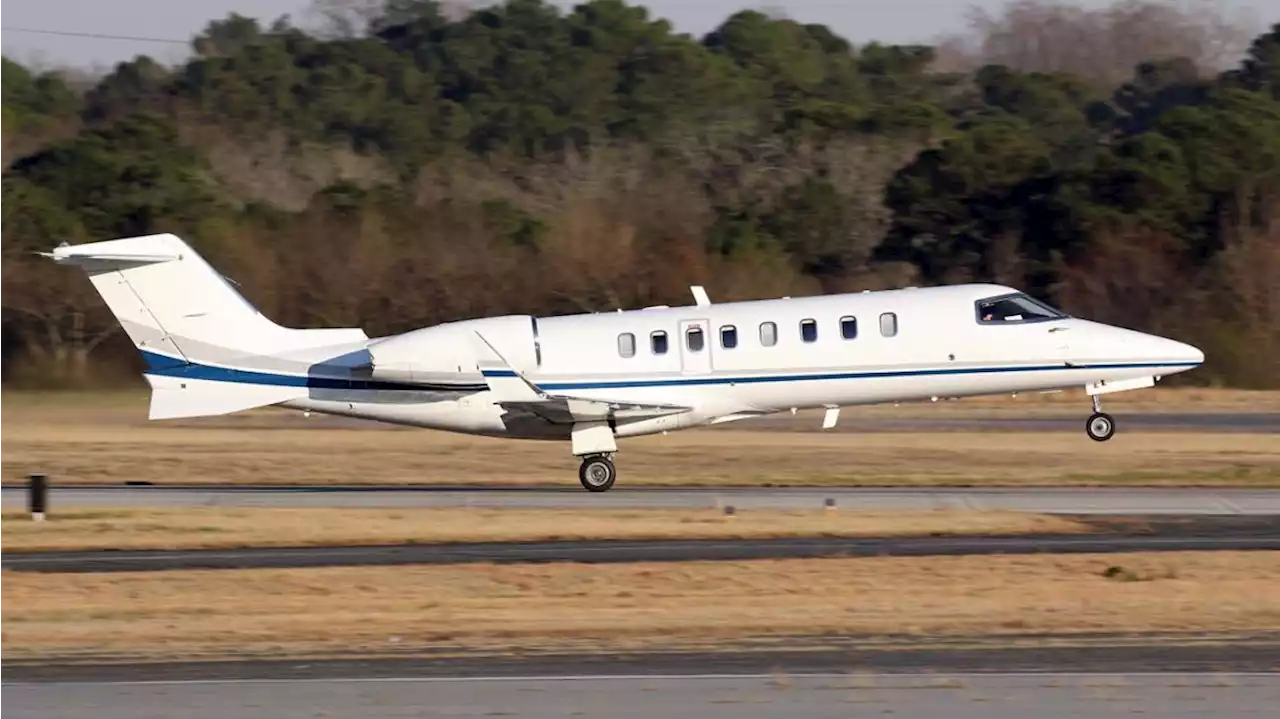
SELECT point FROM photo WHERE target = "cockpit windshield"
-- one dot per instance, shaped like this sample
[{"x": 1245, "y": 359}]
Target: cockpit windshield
[{"x": 1015, "y": 308}]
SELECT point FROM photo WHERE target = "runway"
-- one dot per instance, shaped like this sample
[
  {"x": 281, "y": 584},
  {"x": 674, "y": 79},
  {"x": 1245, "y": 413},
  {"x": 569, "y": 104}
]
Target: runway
[
  {"x": 1049, "y": 500},
  {"x": 953, "y": 696},
  {"x": 1153, "y": 534}
]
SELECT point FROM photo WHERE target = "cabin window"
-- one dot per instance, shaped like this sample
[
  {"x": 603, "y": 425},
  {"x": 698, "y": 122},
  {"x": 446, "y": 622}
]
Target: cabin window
[
  {"x": 1016, "y": 307},
  {"x": 768, "y": 334},
  {"x": 889, "y": 324},
  {"x": 658, "y": 342},
  {"x": 695, "y": 339},
  {"x": 728, "y": 337},
  {"x": 849, "y": 327},
  {"x": 809, "y": 330},
  {"x": 627, "y": 344}
]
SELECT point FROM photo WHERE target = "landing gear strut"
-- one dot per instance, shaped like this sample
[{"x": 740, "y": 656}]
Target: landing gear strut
[
  {"x": 1100, "y": 426},
  {"x": 597, "y": 473}
]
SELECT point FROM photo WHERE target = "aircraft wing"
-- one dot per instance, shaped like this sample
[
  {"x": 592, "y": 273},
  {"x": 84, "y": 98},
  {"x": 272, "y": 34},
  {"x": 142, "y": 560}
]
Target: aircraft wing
[{"x": 512, "y": 390}]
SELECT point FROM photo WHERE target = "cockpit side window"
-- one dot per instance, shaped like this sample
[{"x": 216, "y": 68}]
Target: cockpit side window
[{"x": 1015, "y": 308}]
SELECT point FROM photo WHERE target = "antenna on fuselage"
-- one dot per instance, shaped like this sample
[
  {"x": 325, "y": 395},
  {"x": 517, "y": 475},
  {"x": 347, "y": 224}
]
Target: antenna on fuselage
[{"x": 700, "y": 297}]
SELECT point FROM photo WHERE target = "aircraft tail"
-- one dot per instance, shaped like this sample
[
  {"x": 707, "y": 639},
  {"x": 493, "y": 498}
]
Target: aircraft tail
[{"x": 208, "y": 351}]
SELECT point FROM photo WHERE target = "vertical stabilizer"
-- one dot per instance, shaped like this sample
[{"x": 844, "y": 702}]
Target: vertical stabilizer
[{"x": 194, "y": 328}]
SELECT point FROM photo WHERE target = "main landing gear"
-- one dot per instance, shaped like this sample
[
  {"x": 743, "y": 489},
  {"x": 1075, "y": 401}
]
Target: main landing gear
[
  {"x": 597, "y": 473},
  {"x": 1100, "y": 426}
]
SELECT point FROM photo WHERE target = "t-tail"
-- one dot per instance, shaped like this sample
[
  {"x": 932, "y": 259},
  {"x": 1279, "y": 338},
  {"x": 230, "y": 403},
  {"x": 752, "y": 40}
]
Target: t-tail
[{"x": 208, "y": 351}]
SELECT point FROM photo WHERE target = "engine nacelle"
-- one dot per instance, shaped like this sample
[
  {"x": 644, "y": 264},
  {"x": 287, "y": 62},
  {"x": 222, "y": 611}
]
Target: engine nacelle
[{"x": 447, "y": 353}]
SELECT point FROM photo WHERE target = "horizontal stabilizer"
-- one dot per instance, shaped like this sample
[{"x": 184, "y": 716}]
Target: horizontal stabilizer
[
  {"x": 514, "y": 391},
  {"x": 178, "y": 397},
  {"x": 131, "y": 251}
]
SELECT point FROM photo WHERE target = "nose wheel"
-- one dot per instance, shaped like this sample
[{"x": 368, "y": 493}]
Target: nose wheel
[
  {"x": 1101, "y": 425},
  {"x": 597, "y": 473}
]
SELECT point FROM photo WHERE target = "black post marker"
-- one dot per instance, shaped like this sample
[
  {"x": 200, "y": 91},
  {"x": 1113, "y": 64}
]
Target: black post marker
[{"x": 38, "y": 495}]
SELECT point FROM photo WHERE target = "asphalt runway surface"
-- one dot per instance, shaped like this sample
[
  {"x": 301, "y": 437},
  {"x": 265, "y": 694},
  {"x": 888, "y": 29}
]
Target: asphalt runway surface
[
  {"x": 1048, "y": 500},
  {"x": 949, "y": 696},
  {"x": 1133, "y": 534}
]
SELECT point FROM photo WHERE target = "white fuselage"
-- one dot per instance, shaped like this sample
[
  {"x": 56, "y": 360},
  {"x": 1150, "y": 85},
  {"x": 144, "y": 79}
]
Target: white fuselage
[{"x": 754, "y": 358}]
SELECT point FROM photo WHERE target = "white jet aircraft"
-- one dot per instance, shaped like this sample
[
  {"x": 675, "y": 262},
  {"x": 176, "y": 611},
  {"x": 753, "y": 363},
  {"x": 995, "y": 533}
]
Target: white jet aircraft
[{"x": 593, "y": 378}]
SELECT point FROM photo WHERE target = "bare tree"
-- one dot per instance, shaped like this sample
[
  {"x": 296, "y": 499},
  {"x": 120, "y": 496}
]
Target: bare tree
[
  {"x": 1242, "y": 312},
  {"x": 271, "y": 168},
  {"x": 58, "y": 315},
  {"x": 333, "y": 19},
  {"x": 1125, "y": 277},
  {"x": 1104, "y": 44}
]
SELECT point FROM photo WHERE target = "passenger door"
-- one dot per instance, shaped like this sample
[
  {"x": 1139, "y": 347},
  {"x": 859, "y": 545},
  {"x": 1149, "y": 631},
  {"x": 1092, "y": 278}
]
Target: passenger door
[{"x": 695, "y": 346}]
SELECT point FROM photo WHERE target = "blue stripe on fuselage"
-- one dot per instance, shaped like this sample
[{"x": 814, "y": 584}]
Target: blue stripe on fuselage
[
  {"x": 881, "y": 374},
  {"x": 162, "y": 365},
  {"x": 220, "y": 374}
]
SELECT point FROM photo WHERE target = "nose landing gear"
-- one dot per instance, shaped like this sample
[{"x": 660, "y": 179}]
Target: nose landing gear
[{"x": 1101, "y": 425}]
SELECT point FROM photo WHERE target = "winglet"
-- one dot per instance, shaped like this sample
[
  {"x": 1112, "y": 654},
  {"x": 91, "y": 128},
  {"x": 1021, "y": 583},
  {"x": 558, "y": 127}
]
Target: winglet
[{"x": 506, "y": 384}]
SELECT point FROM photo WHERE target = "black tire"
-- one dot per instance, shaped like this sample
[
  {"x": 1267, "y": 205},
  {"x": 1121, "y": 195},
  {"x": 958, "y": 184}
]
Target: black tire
[
  {"x": 1100, "y": 427},
  {"x": 597, "y": 474}
]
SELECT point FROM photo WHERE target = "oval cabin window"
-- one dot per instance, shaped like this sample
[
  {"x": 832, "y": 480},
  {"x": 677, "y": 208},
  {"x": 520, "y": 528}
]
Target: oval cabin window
[
  {"x": 627, "y": 344},
  {"x": 849, "y": 327},
  {"x": 696, "y": 339},
  {"x": 728, "y": 337},
  {"x": 888, "y": 324},
  {"x": 768, "y": 334},
  {"x": 809, "y": 330},
  {"x": 658, "y": 341}
]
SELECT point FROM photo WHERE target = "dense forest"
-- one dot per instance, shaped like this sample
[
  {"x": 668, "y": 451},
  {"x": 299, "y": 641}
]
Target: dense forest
[{"x": 405, "y": 162}]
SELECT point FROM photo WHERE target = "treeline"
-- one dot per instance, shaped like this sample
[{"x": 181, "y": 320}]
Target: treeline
[{"x": 407, "y": 162}]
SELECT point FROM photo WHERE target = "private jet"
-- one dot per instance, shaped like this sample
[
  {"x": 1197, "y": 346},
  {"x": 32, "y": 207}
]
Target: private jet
[{"x": 591, "y": 379}]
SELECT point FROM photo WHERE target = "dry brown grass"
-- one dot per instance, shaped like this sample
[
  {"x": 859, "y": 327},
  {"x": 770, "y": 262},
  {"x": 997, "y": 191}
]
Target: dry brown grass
[
  {"x": 210, "y": 527},
  {"x": 332, "y": 611},
  {"x": 102, "y": 438}
]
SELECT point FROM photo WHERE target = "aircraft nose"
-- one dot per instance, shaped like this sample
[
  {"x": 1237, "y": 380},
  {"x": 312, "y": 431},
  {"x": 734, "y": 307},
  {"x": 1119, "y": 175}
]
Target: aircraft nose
[
  {"x": 1179, "y": 352},
  {"x": 1194, "y": 354},
  {"x": 1114, "y": 343}
]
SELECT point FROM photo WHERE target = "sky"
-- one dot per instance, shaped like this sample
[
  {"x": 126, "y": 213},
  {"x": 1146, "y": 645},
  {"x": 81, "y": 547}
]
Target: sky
[{"x": 892, "y": 21}]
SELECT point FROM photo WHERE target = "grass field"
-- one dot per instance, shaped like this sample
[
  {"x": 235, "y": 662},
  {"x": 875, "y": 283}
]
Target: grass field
[
  {"x": 550, "y": 607},
  {"x": 106, "y": 439},
  {"x": 248, "y": 527}
]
